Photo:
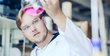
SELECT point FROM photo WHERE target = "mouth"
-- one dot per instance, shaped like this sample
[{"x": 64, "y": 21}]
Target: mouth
[{"x": 36, "y": 34}]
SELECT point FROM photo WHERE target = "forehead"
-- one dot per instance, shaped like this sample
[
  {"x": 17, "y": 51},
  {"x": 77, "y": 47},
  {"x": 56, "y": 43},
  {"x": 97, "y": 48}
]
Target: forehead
[{"x": 26, "y": 19}]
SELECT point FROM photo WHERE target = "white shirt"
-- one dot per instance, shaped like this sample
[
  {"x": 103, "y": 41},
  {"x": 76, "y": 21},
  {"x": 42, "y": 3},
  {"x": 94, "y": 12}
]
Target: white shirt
[{"x": 72, "y": 42}]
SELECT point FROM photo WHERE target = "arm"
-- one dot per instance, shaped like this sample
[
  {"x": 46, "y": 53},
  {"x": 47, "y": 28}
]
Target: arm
[
  {"x": 53, "y": 9},
  {"x": 72, "y": 33}
]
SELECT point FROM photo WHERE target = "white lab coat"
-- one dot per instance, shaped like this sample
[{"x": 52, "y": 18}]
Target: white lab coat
[{"x": 72, "y": 42}]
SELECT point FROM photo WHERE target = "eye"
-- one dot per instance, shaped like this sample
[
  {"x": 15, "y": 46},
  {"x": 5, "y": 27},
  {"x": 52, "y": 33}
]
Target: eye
[
  {"x": 35, "y": 21},
  {"x": 26, "y": 27}
]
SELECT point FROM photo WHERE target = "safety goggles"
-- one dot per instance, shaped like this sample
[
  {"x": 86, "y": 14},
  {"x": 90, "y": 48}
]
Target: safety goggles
[{"x": 33, "y": 8}]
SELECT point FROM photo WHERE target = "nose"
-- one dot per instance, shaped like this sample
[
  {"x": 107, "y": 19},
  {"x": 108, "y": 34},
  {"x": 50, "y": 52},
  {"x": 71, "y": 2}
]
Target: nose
[{"x": 33, "y": 28}]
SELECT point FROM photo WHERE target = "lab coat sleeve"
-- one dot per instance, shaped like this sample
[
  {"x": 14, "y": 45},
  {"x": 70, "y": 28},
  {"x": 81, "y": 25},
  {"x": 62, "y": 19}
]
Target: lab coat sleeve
[{"x": 75, "y": 36}]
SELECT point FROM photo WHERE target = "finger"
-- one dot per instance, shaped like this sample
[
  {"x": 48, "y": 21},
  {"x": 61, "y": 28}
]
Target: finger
[
  {"x": 42, "y": 2},
  {"x": 48, "y": 3}
]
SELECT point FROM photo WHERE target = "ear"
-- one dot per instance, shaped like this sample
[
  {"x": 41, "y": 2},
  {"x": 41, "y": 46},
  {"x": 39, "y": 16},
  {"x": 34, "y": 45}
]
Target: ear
[{"x": 43, "y": 19}]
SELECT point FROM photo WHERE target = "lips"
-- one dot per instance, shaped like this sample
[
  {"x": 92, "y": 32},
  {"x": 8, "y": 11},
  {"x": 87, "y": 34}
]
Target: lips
[{"x": 36, "y": 34}]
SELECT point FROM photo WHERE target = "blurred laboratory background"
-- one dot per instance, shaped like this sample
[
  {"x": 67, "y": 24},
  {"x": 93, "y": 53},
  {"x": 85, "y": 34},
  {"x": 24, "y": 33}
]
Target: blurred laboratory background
[{"x": 92, "y": 16}]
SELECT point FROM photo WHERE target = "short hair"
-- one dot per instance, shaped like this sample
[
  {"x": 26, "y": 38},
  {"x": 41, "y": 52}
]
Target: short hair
[{"x": 19, "y": 18}]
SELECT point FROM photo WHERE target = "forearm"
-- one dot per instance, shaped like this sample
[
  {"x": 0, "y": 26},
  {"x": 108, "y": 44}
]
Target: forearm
[
  {"x": 53, "y": 9},
  {"x": 60, "y": 20}
]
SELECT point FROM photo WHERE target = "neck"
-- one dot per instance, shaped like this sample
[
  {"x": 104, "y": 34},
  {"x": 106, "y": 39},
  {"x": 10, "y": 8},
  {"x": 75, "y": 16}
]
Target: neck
[{"x": 46, "y": 41}]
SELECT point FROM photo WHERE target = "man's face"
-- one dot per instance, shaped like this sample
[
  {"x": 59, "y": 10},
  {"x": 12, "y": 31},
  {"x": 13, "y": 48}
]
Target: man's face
[{"x": 34, "y": 28}]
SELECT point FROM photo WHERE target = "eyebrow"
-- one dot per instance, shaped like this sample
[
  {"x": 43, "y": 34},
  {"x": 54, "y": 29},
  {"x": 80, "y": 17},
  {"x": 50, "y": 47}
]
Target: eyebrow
[
  {"x": 24, "y": 26},
  {"x": 35, "y": 18}
]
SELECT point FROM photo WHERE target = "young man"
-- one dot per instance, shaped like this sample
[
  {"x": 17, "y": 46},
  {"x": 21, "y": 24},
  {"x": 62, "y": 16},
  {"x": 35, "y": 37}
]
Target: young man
[{"x": 71, "y": 41}]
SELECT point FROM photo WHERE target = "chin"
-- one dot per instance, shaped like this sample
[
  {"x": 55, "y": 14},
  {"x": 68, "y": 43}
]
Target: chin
[{"x": 40, "y": 40}]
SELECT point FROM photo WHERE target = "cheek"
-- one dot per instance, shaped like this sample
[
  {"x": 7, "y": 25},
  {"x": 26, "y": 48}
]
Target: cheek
[
  {"x": 29, "y": 37},
  {"x": 27, "y": 34},
  {"x": 41, "y": 27}
]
